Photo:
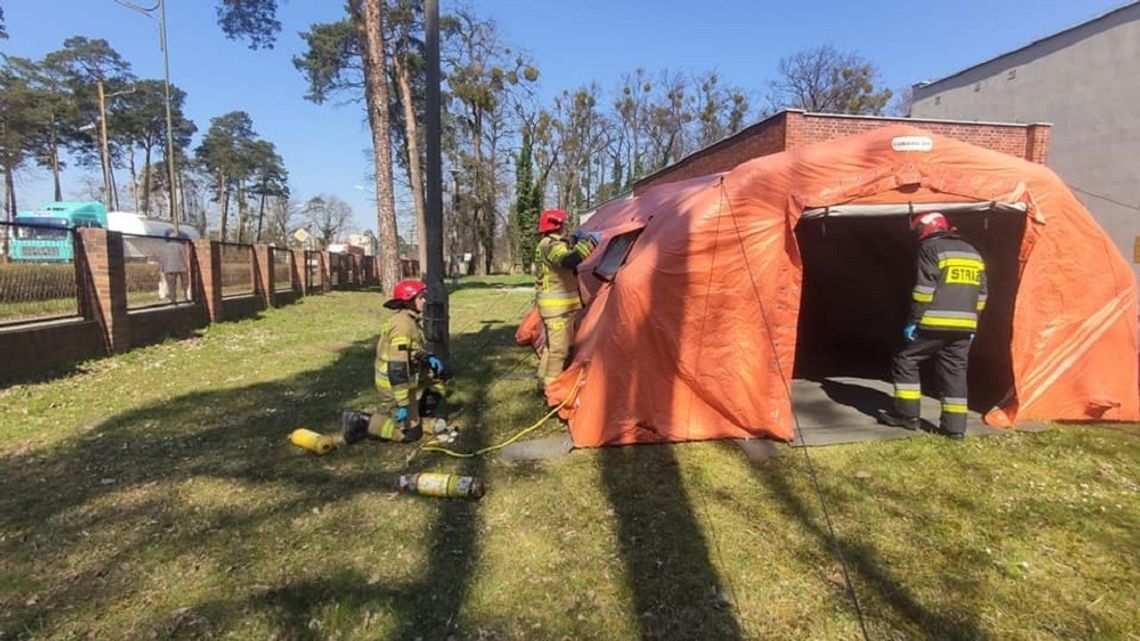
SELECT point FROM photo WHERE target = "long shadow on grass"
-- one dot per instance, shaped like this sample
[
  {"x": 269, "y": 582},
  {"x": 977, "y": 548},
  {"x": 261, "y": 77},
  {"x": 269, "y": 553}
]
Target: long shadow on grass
[
  {"x": 675, "y": 586},
  {"x": 869, "y": 570},
  {"x": 676, "y": 590},
  {"x": 53, "y": 502}
]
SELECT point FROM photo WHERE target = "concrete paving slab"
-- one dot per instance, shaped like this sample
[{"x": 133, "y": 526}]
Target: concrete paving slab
[{"x": 843, "y": 410}]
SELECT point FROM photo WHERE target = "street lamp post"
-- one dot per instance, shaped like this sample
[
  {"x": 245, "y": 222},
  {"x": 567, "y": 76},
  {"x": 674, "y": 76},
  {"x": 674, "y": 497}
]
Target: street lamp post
[{"x": 172, "y": 185}]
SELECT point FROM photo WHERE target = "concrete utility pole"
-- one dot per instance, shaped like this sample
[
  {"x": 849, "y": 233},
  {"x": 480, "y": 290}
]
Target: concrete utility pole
[
  {"x": 172, "y": 175},
  {"x": 436, "y": 314}
]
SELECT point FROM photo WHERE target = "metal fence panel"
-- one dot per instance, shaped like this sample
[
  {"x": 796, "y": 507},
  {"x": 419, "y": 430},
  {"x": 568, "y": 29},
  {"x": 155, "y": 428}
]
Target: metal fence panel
[
  {"x": 282, "y": 268},
  {"x": 334, "y": 269},
  {"x": 237, "y": 269},
  {"x": 38, "y": 275},
  {"x": 158, "y": 270},
  {"x": 312, "y": 270}
]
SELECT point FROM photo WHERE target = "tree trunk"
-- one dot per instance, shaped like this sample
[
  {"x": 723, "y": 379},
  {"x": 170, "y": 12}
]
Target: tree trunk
[
  {"x": 489, "y": 232},
  {"x": 9, "y": 207},
  {"x": 134, "y": 182},
  {"x": 114, "y": 192},
  {"x": 224, "y": 203},
  {"x": 241, "y": 212},
  {"x": 367, "y": 16},
  {"x": 480, "y": 209},
  {"x": 261, "y": 214},
  {"x": 415, "y": 175},
  {"x": 55, "y": 165},
  {"x": 9, "y": 195},
  {"x": 146, "y": 181}
]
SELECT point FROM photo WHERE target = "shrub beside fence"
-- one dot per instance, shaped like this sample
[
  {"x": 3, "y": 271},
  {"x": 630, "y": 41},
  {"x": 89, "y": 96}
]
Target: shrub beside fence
[{"x": 39, "y": 279}]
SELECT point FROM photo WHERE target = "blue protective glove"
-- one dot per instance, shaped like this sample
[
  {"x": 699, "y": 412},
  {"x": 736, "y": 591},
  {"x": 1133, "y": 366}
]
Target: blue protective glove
[
  {"x": 402, "y": 415},
  {"x": 593, "y": 235},
  {"x": 910, "y": 331},
  {"x": 436, "y": 365}
]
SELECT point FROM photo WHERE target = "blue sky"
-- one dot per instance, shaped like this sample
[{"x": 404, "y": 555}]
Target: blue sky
[{"x": 573, "y": 42}]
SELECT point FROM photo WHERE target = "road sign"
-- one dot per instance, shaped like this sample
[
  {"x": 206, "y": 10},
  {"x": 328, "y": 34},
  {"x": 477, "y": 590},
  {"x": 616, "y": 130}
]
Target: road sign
[{"x": 301, "y": 235}]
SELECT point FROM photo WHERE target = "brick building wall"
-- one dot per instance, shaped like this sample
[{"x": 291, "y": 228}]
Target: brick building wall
[{"x": 794, "y": 128}]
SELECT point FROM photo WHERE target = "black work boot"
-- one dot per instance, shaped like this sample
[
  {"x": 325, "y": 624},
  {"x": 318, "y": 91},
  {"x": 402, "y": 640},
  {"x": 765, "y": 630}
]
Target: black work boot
[
  {"x": 953, "y": 436},
  {"x": 887, "y": 417},
  {"x": 354, "y": 426}
]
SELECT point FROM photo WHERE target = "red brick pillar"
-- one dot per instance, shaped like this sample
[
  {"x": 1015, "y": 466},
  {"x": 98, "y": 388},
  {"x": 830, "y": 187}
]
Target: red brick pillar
[
  {"x": 105, "y": 274},
  {"x": 1037, "y": 140},
  {"x": 263, "y": 275},
  {"x": 207, "y": 256}
]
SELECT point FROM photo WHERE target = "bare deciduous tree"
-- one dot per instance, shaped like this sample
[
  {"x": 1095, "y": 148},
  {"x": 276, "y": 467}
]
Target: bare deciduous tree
[
  {"x": 328, "y": 216},
  {"x": 824, "y": 79}
]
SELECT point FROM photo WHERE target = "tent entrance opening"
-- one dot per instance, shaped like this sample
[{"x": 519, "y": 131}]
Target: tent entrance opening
[{"x": 858, "y": 273}]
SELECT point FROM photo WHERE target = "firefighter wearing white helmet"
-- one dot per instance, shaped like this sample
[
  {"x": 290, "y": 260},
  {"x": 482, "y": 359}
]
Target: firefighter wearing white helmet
[
  {"x": 410, "y": 381},
  {"x": 556, "y": 287},
  {"x": 948, "y": 297}
]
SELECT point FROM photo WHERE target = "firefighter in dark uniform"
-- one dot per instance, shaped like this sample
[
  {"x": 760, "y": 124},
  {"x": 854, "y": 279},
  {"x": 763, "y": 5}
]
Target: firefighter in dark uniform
[
  {"x": 410, "y": 381},
  {"x": 949, "y": 294},
  {"x": 556, "y": 287}
]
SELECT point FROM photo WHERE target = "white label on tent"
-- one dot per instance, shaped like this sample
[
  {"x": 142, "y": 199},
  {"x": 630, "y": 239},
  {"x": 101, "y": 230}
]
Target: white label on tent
[{"x": 912, "y": 143}]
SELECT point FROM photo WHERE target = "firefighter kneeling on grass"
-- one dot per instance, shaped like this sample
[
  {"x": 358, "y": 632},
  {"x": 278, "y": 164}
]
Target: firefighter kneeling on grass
[
  {"x": 949, "y": 294},
  {"x": 410, "y": 380},
  {"x": 556, "y": 288}
]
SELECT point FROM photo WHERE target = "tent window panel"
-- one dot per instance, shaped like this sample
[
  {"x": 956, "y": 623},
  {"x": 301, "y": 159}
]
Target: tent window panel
[{"x": 617, "y": 250}]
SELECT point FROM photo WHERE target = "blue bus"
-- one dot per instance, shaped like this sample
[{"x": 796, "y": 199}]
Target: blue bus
[{"x": 44, "y": 235}]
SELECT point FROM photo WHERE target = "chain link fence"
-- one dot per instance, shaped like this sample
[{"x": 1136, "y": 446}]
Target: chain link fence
[
  {"x": 282, "y": 260},
  {"x": 38, "y": 275},
  {"x": 237, "y": 269},
  {"x": 157, "y": 269}
]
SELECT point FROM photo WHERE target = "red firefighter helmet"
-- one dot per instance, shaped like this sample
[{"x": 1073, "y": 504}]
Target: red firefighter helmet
[
  {"x": 551, "y": 220},
  {"x": 405, "y": 291},
  {"x": 926, "y": 223}
]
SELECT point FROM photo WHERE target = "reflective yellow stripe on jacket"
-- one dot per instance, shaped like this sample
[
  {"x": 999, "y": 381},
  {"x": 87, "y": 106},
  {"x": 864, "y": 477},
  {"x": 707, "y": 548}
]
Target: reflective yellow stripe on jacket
[
  {"x": 400, "y": 338},
  {"x": 556, "y": 288}
]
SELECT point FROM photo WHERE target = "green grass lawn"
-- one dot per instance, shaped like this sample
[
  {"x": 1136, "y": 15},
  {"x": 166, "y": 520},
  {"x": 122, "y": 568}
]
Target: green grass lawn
[{"x": 153, "y": 496}]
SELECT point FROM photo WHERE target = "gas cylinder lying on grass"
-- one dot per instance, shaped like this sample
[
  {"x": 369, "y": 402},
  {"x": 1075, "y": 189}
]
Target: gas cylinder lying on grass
[
  {"x": 316, "y": 443},
  {"x": 442, "y": 485}
]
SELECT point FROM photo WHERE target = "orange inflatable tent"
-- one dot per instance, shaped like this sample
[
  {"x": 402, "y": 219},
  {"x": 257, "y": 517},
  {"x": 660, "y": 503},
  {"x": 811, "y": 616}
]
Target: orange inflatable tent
[{"x": 708, "y": 296}]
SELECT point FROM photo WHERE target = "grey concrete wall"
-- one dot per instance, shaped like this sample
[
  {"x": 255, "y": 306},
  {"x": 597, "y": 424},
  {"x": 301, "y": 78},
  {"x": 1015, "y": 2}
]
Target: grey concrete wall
[{"x": 1086, "y": 81}]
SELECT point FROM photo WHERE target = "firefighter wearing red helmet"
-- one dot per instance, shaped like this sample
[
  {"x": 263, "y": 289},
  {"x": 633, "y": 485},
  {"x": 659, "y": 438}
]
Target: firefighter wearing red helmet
[
  {"x": 409, "y": 380},
  {"x": 948, "y": 297},
  {"x": 556, "y": 287}
]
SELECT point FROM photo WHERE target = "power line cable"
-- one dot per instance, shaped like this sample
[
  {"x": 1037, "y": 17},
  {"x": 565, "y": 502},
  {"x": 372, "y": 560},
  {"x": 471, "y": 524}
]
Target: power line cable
[{"x": 799, "y": 432}]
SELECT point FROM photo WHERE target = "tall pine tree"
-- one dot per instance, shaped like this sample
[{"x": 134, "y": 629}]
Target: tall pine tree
[{"x": 528, "y": 201}]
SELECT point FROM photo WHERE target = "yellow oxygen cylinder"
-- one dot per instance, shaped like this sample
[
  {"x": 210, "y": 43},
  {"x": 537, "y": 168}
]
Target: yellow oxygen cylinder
[
  {"x": 442, "y": 485},
  {"x": 316, "y": 443}
]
